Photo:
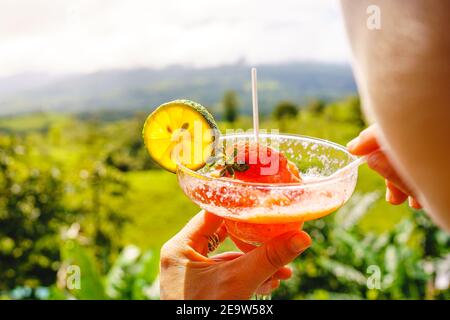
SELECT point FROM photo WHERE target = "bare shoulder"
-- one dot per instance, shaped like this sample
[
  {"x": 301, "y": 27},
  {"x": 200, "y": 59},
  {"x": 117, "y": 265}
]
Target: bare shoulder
[{"x": 403, "y": 75}]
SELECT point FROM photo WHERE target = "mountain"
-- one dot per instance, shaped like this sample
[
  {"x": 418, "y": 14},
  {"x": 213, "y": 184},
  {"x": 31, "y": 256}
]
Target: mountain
[{"x": 142, "y": 88}]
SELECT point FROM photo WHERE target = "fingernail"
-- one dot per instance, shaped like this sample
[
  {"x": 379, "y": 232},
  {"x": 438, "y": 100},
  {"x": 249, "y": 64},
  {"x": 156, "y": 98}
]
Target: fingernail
[
  {"x": 410, "y": 201},
  {"x": 388, "y": 195},
  {"x": 413, "y": 203},
  {"x": 352, "y": 144},
  {"x": 298, "y": 243}
]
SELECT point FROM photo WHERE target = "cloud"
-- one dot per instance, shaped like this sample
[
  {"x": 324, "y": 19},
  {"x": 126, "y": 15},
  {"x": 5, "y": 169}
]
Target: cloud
[{"x": 84, "y": 36}]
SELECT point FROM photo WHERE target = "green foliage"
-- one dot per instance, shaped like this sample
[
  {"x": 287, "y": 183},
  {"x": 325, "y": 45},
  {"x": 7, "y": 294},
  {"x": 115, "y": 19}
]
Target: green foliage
[
  {"x": 76, "y": 191},
  {"x": 347, "y": 111},
  {"x": 315, "y": 106},
  {"x": 129, "y": 154},
  {"x": 133, "y": 275},
  {"x": 230, "y": 106},
  {"x": 91, "y": 285},
  {"x": 42, "y": 196},
  {"x": 344, "y": 262},
  {"x": 31, "y": 212},
  {"x": 285, "y": 109},
  {"x": 101, "y": 188}
]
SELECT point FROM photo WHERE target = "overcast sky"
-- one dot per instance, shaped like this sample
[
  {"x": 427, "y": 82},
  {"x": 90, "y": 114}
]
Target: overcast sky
[{"x": 59, "y": 36}]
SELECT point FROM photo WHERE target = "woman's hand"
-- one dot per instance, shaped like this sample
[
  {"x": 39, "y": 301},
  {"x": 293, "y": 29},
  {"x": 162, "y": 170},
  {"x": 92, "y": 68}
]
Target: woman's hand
[
  {"x": 366, "y": 144},
  {"x": 188, "y": 273}
]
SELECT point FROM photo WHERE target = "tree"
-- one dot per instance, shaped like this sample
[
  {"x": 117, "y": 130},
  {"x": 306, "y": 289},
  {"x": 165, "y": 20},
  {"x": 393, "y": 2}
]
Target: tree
[
  {"x": 35, "y": 210},
  {"x": 230, "y": 105},
  {"x": 346, "y": 111},
  {"x": 285, "y": 109},
  {"x": 355, "y": 107},
  {"x": 316, "y": 106},
  {"x": 128, "y": 152},
  {"x": 31, "y": 216}
]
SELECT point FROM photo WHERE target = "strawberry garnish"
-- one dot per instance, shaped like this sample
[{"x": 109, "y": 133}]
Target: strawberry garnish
[{"x": 253, "y": 162}]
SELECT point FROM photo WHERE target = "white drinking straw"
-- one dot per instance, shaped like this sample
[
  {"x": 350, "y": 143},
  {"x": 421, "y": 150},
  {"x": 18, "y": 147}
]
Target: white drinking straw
[{"x": 255, "y": 105}]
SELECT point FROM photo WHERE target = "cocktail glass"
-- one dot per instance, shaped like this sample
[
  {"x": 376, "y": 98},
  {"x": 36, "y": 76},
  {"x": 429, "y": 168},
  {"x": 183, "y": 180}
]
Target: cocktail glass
[{"x": 256, "y": 212}]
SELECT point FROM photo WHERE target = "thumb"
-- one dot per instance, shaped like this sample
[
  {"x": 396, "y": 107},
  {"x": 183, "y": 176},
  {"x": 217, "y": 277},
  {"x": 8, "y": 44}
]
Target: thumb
[
  {"x": 261, "y": 263},
  {"x": 202, "y": 225}
]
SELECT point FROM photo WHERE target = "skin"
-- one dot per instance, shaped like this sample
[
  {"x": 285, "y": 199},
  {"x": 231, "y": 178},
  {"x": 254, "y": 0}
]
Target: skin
[
  {"x": 403, "y": 77},
  {"x": 367, "y": 144},
  {"x": 187, "y": 272}
]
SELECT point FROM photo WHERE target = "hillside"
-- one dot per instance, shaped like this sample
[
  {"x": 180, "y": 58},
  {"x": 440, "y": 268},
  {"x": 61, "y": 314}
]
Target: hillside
[{"x": 135, "y": 89}]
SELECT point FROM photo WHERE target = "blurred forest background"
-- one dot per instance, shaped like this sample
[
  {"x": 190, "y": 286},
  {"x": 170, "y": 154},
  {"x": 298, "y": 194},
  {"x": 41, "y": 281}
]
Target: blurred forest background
[{"x": 78, "y": 188}]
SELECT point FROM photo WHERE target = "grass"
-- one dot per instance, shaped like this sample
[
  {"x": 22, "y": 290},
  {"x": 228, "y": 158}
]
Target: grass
[
  {"x": 157, "y": 206},
  {"x": 381, "y": 216}
]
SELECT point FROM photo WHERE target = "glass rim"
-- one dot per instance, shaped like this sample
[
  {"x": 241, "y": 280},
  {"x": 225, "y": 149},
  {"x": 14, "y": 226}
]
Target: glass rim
[{"x": 312, "y": 183}]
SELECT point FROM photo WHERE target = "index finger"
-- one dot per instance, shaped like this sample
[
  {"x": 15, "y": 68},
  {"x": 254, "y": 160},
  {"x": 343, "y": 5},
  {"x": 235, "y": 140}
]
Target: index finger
[
  {"x": 201, "y": 226},
  {"x": 366, "y": 142}
]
